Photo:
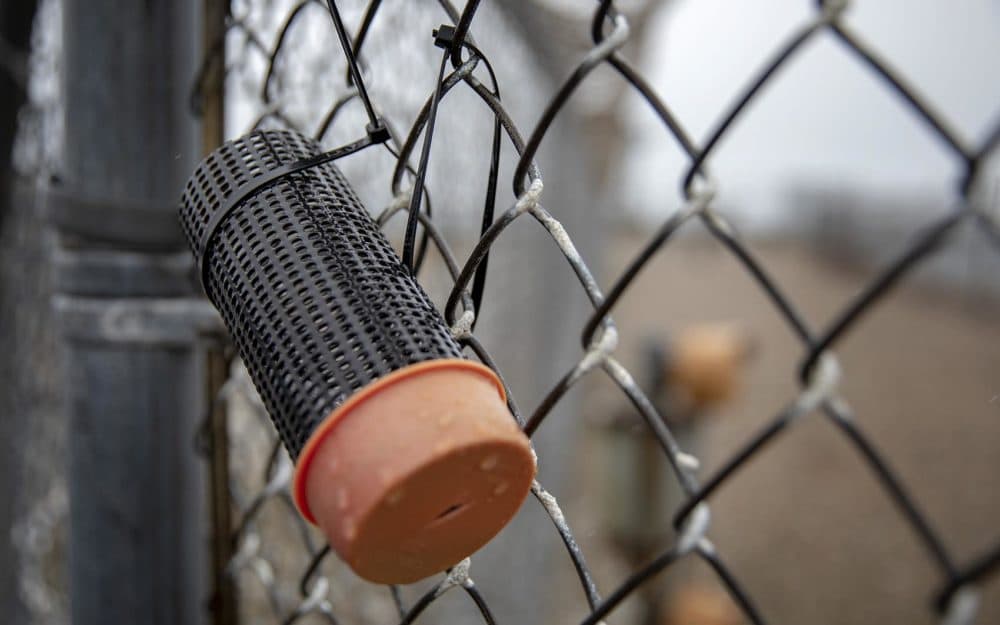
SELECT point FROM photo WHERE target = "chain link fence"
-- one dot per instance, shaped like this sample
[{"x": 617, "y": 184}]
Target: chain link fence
[{"x": 281, "y": 62}]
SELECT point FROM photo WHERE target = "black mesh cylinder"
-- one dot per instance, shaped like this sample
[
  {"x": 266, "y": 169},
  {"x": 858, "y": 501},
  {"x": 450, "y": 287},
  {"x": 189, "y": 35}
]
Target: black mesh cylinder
[{"x": 315, "y": 298}]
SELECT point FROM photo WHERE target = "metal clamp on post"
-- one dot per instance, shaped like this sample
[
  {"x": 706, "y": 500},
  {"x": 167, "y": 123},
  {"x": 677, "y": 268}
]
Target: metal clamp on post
[{"x": 134, "y": 225}]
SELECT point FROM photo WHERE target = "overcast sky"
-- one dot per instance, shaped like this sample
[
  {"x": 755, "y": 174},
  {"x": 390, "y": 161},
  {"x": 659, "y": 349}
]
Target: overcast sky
[{"x": 826, "y": 120}]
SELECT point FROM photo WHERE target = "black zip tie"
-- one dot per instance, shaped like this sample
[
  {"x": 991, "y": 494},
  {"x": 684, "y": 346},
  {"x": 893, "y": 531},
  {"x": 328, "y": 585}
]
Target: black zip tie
[
  {"x": 377, "y": 133},
  {"x": 444, "y": 36},
  {"x": 352, "y": 63}
]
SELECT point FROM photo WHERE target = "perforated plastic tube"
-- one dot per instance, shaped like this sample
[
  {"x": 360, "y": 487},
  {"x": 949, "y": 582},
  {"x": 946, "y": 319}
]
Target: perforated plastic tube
[{"x": 405, "y": 453}]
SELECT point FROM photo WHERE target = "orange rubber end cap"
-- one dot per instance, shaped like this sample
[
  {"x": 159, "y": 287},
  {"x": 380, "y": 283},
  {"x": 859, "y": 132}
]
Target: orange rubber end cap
[
  {"x": 707, "y": 361},
  {"x": 416, "y": 471}
]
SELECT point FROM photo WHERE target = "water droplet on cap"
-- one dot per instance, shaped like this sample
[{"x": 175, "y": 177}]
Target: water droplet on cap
[{"x": 489, "y": 462}]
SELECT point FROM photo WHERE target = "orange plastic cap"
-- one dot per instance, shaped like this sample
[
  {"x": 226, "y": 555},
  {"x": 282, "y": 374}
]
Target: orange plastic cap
[
  {"x": 416, "y": 471},
  {"x": 706, "y": 362}
]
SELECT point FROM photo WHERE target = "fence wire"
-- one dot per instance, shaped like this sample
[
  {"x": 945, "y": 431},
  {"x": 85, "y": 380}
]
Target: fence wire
[{"x": 299, "y": 579}]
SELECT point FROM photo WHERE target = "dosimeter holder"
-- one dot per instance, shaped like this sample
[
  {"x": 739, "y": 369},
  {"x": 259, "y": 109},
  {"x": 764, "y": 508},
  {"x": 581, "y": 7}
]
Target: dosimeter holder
[{"x": 406, "y": 455}]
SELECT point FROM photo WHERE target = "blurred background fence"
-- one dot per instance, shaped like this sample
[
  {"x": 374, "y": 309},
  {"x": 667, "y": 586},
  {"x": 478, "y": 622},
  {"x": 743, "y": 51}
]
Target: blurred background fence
[{"x": 852, "y": 478}]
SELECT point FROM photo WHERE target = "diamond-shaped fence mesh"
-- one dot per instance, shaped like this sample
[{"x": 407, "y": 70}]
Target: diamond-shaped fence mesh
[{"x": 274, "y": 563}]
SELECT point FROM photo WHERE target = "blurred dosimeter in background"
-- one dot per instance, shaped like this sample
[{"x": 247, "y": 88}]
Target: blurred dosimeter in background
[{"x": 406, "y": 455}]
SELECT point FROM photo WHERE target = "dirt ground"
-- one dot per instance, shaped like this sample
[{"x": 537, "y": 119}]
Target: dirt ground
[{"x": 805, "y": 526}]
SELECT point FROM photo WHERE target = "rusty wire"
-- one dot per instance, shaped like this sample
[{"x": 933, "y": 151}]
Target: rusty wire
[{"x": 818, "y": 374}]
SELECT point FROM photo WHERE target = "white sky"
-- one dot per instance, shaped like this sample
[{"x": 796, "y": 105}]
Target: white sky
[{"x": 825, "y": 120}]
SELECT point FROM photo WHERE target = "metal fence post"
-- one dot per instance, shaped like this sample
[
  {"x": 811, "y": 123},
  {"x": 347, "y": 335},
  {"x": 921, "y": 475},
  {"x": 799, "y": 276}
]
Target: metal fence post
[{"x": 129, "y": 322}]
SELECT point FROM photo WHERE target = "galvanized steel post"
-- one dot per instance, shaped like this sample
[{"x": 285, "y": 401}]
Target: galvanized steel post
[{"x": 129, "y": 321}]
